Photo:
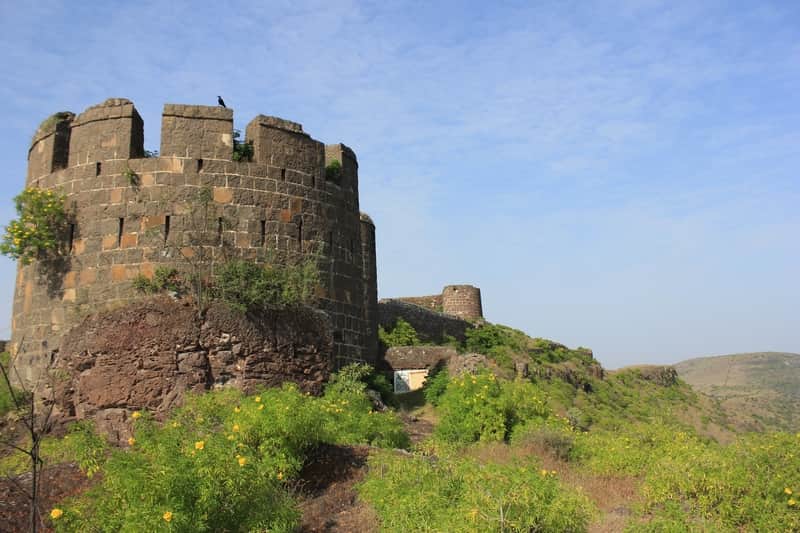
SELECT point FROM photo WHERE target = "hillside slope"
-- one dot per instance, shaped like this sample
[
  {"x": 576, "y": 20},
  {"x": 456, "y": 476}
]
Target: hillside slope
[{"x": 759, "y": 391}]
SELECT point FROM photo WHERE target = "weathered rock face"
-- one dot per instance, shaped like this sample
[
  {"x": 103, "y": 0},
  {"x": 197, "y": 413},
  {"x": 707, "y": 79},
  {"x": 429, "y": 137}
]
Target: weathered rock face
[{"x": 149, "y": 354}]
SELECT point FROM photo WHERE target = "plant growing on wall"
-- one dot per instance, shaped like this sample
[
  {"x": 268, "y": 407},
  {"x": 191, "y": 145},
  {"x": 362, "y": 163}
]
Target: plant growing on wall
[
  {"x": 242, "y": 151},
  {"x": 333, "y": 172},
  {"x": 247, "y": 286},
  {"x": 38, "y": 228}
]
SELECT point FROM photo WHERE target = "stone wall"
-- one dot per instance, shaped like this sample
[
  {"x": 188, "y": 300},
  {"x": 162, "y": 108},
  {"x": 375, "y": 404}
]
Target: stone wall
[
  {"x": 433, "y": 302},
  {"x": 463, "y": 301},
  {"x": 370, "y": 272},
  {"x": 431, "y": 327},
  {"x": 148, "y": 354},
  {"x": 418, "y": 357},
  {"x": 130, "y": 214}
]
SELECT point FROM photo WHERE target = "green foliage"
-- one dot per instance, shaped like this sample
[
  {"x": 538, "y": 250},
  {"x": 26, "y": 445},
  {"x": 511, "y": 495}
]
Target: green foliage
[
  {"x": 38, "y": 228},
  {"x": 461, "y": 495},
  {"x": 403, "y": 334},
  {"x": 247, "y": 286},
  {"x": 151, "y": 153},
  {"x": 694, "y": 484},
  {"x": 6, "y": 398},
  {"x": 131, "y": 176},
  {"x": 242, "y": 151},
  {"x": 750, "y": 485},
  {"x": 482, "y": 407},
  {"x": 224, "y": 461},
  {"x": 333, "y": 172},
  {"x": 164, "y": 279},
  {"x": 436, "y": 385},
  {"x": 505, "y": 345}
]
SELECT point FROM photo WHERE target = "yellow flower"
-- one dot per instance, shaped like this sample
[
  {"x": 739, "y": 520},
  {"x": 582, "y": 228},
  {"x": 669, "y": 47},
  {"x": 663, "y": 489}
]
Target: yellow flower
[
  {"x": 199, "y": 445},
  {"x": 136, "y": 414},
  {"x": 237, "y": 410},
  {"x": 56, "y": 513},
  {"x": 242, "y": 461},
  {"x": 787, "y": 490},
  {"x": 131, "y": 441},
  {"x": 543, "y": 473},
  {"x": 258, "y": 399},
  {"x": 473, "y": 514},
  {"x": 791, "y": 502},
  {"x": 260, "y": 407},
  {"x": 235, "y": 428},
  {"x": 167, "y": 516},
  {"x": 175, "y": 424},
  {"x": 231, "y": 437},
  {"x": 280, "y": 476}
]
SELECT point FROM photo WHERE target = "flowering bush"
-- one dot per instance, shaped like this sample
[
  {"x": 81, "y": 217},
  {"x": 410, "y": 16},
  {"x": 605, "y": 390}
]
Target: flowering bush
[
  {"x": 481, "y": 407},
  {"x": 460, "y": 494},
  {"x": 221, "y": 462},
  {"x": 38, "y": 228}
]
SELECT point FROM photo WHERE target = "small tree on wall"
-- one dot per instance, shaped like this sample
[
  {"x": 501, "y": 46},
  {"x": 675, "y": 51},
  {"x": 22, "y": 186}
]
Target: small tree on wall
[{"x": 39, "y": 227}]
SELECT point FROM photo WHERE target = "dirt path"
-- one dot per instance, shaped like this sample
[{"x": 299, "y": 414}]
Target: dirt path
[
  {"x": 57, "y": 483},
  {"x": 328, "y": 501}
]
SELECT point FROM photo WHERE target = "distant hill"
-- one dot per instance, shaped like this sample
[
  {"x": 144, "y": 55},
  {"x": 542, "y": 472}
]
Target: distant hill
[{"x": 758, "y": 391}]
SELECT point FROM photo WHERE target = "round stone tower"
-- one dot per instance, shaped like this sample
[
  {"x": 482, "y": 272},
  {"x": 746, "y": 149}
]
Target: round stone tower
[
  {"x": 463, "y": 301},
  {"x": 130, "y": 214}
]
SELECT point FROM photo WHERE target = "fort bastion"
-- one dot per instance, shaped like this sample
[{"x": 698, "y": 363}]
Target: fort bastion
[{"x": 130, "y": 214}]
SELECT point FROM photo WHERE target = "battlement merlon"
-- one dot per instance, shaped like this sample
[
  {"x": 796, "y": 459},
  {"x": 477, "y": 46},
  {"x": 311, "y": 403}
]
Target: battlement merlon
[
  {"x": 347, "y": 158},
  {"x": 282, "y": 143},
  {"x": 197, "y": 132},
  {"x": 111, "y": 130},
  {"x": 49, "y": 150}
]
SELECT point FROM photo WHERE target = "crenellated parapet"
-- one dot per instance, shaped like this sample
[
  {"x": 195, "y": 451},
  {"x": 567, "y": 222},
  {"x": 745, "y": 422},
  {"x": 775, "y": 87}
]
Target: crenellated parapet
[{"x": 130, "y": 214}]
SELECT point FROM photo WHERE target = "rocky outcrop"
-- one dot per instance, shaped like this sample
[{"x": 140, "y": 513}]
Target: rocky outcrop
[{"x": 148, "y": 355}]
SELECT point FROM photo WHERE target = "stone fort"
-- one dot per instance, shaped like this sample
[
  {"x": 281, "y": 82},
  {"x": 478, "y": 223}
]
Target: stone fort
[{"x": 131, "y": 213}]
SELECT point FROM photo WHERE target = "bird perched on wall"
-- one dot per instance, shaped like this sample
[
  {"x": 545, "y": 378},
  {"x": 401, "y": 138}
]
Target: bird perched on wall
[{"x": 220, "y": 101}]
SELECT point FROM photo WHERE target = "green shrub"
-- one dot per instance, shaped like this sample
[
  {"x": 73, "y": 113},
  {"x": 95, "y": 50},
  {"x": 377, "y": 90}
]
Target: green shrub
[
  {"x": 436, "y": 385},
  {"x": 242, "y": 151},
  {"x": 482, "y": 407},
  {"x": 750, "y": 485},
  {"x": 222, "y": 462},
  {"x": 403, "y": 334},
  {"x": 39, "y": 228},
  {"x": 6, "y": 399},
  {"x": 164, "y": 279},
  {"x": 333, "y": 172},
  {"x": 414, "y": 493},
  {"x": 247, "y": 286}
]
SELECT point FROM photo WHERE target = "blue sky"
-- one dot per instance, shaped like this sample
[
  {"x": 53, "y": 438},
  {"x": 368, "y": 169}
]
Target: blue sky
[{"x": 618, "y": 175}]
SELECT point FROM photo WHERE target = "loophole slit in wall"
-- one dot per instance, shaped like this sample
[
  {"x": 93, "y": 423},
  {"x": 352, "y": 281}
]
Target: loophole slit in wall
[{"x": 263, "y": 233}]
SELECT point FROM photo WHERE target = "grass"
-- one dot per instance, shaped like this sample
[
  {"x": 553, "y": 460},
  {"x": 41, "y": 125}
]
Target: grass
[{"x": 752, "y": 388}]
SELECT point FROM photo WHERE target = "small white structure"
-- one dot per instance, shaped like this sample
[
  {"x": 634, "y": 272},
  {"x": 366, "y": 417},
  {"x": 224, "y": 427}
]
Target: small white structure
[{"x": 409, "y": 380}]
